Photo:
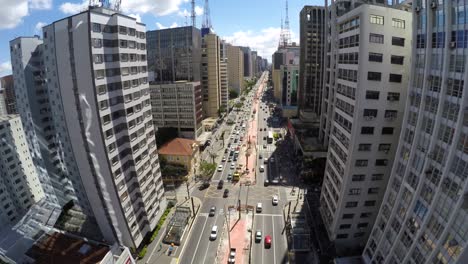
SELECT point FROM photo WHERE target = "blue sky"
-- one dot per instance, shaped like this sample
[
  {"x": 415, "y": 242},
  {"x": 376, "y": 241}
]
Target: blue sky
[{"x": 254, "y": 23}]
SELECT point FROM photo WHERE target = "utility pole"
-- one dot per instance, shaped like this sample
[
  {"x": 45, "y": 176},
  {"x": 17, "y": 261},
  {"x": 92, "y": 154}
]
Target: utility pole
[{"x": 239, "y": 209}]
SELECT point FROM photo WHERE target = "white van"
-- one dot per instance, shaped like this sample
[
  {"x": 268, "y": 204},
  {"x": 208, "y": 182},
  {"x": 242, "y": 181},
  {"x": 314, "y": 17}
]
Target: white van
[
  {"x": 262, "y": 168},
  {"x": 214, "y": 233},
  {"x": 259, "y": 207}
]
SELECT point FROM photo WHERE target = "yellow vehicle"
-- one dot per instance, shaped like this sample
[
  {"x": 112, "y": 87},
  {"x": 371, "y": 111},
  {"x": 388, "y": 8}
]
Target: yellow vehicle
[{"x": 236, "y": 176}]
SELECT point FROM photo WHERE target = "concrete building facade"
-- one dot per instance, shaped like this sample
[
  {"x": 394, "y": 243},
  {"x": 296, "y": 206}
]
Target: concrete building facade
[
  {"x": 174, "y": 54},
  {"x": 247, "y": 62},
  {"x": 178, "y": 105},
  {"x": 20, "y": 187},
  {"x": 369, "y": 91},
  {"x": 311, "y": 63},
  {"x": 223, "y": 75},
  {"x": 423, "y": 217},
  {"x": 97, "y": 89},
  {"x": 235, "y": 68},
  {"x": 8, "y": 93},
  {"x": 210, "y": 69}
]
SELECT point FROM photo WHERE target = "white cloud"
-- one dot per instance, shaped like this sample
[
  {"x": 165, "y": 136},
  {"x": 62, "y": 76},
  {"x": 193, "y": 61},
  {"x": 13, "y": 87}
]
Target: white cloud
[
  {"x": 5, "y": 68},
  {"x": 72, "y": 8},
  {"x": 265, "y": 42},
  {"x": 161, "y": 26},
  {"x": 136, "y": 16},
  {"x": 12, "y": 13},
  {"x": 155, "y": 7},
  {"x": 38, "y": 28},
  {"x": 186, "y": 13},
  {"x": 41, "y": 4},
  {"x": 198, "y": 11}
]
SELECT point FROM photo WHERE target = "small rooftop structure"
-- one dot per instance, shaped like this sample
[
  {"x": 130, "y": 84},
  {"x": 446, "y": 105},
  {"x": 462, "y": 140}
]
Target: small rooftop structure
[{"x": 178, "y": 146}]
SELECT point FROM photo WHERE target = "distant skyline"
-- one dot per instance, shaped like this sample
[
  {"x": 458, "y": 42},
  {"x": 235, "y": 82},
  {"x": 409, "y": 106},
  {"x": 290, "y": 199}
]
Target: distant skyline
[{"x": 247, "y": 23}]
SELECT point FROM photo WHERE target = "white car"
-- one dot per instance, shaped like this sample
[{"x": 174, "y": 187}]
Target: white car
[
  {"x": 233, "y": 166},
  {"x": 275, "y": 200},
  {"x": 214, "y": 233},
  {"x": 220, "y": 168}
]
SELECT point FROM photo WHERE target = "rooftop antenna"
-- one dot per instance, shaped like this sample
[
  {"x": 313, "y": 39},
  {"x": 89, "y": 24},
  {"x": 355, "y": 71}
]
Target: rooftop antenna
[
  {"x": 286, "y": 32},
  {"x": 206, "y": 16},
  {"x": 194, "y": 15}
]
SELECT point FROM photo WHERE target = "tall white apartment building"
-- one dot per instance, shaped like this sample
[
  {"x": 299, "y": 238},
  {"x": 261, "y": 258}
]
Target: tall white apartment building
[
  {"x": 96, "y": 80},
  {"x": 363, "y": 108},
  {"x": 424, "y": 213},
  {"x": 20, "y": 187}
]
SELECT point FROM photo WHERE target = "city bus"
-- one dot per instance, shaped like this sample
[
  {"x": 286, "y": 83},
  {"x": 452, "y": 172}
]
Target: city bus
[{"x": 270, "y": 137}]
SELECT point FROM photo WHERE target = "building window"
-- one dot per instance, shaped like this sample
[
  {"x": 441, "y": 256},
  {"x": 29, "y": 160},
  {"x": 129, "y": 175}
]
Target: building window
[
  {"x": 374, "y": 76},
  {"x": 99, "y": 74},
  {"x": 384, "y": 147},
  {"x": 366, "y": 215},
  {"x": 367, "y": 130},
  {"x": 370, "y": 203},
  {"x": 381, "y": 162},
  {"x": 373, "y": 95},
  {"x": 358, "y": 177},
  {"x": 387, "y": 131},
  {"x": 341, "y": 236},
  {"x": 398, "y": 23},
  {"x": 345, "y": 226},
  {"x": 97, "y": 43},
  {"x": 351, "y": 204},
  {"x": 96, "y": 27},
  {"x": 396, "y": 41},
  {"x": 348, "y": 216},
  {"x": 361, "y": 163},
  {"x": 354, "y": 191},
  {"x": 97, "y": 58},
  {"x": 377, "y": 177},
  {"x": 393, "y": 96},
  {"x": 396, "y": 78},
  {"x": 374, "y": 19},
  {"x": 122, "y": 30},
  {"x": 391, "y": 114},
  {"x": 102, "y": 89},
  {"x": 376, "y": 38},
  {"x": 373, "y": 190},
  {"x": 364, "y": 147},
  {"x": 377, "y": 57},
  {"x": 372, "y": 113},
  {"x": 397, "y": 59}
]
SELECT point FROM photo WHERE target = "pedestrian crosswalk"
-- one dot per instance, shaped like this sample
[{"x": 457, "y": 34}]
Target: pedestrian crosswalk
[{"x": 269, "y": 148}]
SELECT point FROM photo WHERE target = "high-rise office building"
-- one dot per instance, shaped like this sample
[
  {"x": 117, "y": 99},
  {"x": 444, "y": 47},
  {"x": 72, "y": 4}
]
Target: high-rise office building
[
  {"x": 253, "y": 55},
  {"x": 178, "y": 105},
  {"x": 20, "y": 187},
  {"x": 8, "y": 93},
  {"x": 223, "y": 75},
  {"x": 424, "y": 213},
  {"x": 210, "y": 72},
  {"x": 247, "y": 62},
  {"x": 94, "y": 81},
  {"x": 235, "y": 68},
  {"x": 312, "y": 39},
  {"x": 174, "y": 54},
  {"x": 372, "y": 47}
]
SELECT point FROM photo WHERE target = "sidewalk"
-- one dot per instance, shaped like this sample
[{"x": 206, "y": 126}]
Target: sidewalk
[{"x": 158, "y": 251}]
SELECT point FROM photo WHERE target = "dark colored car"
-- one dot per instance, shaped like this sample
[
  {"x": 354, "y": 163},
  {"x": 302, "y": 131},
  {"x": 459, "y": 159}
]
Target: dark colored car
[
  {"x": 220, "y": 184},
  {"x": 212, "y": 211},
  {"x": 226, "y": 193},
  {"x": 204, "y": 185}
]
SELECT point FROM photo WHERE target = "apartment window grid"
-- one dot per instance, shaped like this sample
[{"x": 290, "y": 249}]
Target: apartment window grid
[
  {"x": 398, "y": 23},
  {"x": 376, "y": 19}
]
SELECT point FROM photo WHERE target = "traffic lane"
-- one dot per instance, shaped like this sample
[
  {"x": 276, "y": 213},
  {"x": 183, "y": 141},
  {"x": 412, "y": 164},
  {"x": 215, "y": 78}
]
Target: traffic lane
[
  {"x": 258, "y": 246},
  {"x": 269, "y": 255},
  {"x": 202, "y": 242},
  {"x": 212, "y": 248},
  {"x": 280, "y": 243},
  {"x": 194, "y": 241}
]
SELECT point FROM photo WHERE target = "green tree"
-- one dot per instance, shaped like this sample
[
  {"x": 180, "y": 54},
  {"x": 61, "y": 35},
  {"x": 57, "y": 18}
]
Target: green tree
[
  {"x": 239, "y": 105},
  {"x": 233, "y": 94},
  {"x": 207, "y": 169}
]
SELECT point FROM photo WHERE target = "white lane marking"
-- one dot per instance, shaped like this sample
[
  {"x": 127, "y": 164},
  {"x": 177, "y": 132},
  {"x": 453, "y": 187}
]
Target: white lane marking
[
  {"x": 198, "y": 243},
  {"x": 273, "y": 225},
  {"x": 272, "y": 215}
]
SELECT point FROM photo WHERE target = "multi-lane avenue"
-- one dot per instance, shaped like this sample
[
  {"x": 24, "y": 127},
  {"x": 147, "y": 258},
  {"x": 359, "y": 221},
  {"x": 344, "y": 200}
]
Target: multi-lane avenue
[{"x": 199, "y": 248}]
